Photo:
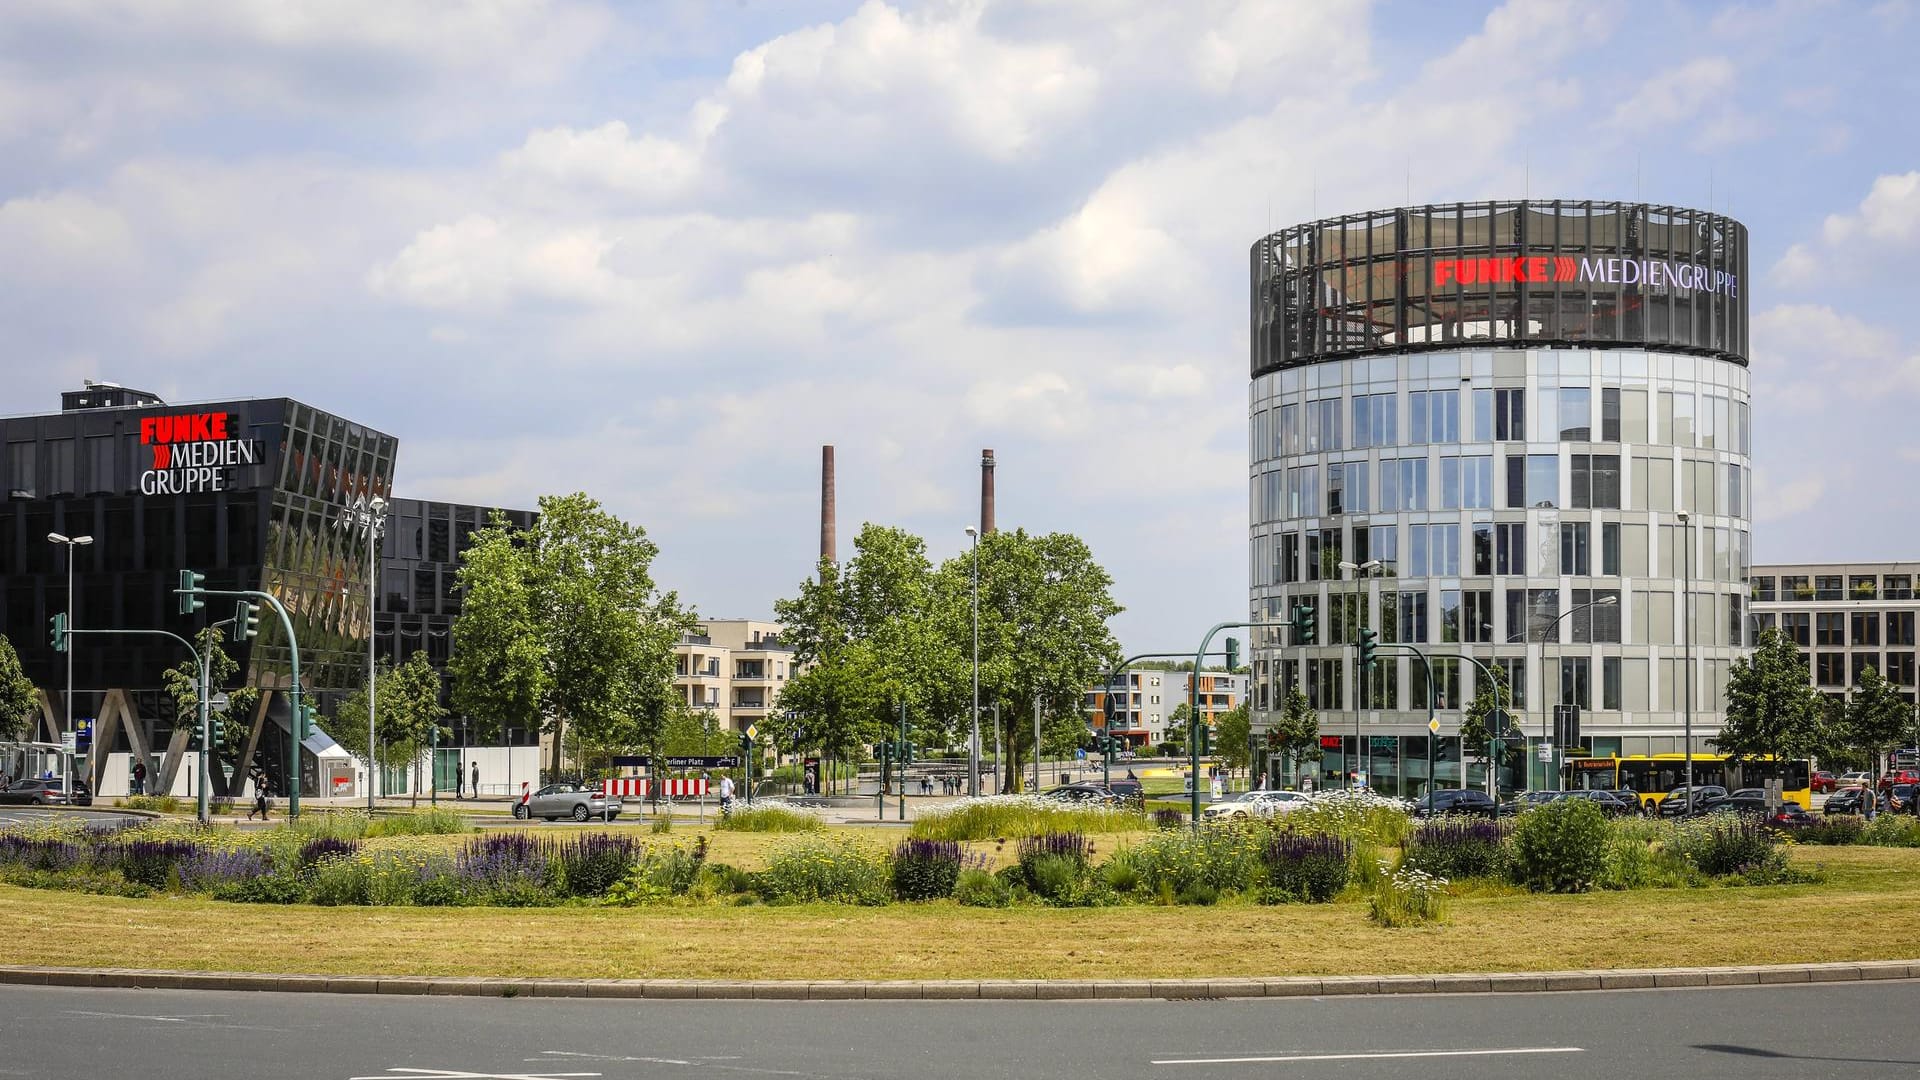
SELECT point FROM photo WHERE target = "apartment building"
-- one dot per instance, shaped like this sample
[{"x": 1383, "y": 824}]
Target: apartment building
[
  {"x": 1146, "y": 698},
  {"x": 734, "y": 669},
  {"x": 1846, "y": 617}
]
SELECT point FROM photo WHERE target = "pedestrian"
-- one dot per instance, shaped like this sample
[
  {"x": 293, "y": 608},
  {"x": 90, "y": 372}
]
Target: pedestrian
[
  {"x": 139, "y": 778},
  {"x": 458, "y": 778},
  {"x": 726, "y": 795},
  {"x": 259, "y": 797},
  {"x": 1867, "y": 802},
  {"x": 476, "y": 779}
]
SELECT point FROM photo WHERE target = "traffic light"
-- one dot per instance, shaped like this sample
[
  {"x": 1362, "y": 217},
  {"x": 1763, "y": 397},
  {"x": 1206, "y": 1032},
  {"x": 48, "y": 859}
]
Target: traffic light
[
  {"x": 1369, "y": 644},
  {"x": 746, "y": 745},
  {"x": 1233, "y": 654},
  {"x": 1305, "y": 624},
  {"x": 1205, "y": 731},
  {"x": 189, "y": 592},
  {"x": 1108, "y": 707},
  {"x": 246, "y": 621},
  {"x": 57, "y": 632}
]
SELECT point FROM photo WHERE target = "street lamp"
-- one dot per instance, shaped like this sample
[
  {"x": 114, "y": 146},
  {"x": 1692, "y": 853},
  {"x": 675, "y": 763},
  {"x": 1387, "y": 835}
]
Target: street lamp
[
  {"x": 1686, "y": 641},
  {"x": 1359, "y": 673},
  {"x": 1546, "y": 715},
  {"x": 370, "y": 518},
  {"x": 71, "y": 542},
  {"x": 973, "y": 744}
]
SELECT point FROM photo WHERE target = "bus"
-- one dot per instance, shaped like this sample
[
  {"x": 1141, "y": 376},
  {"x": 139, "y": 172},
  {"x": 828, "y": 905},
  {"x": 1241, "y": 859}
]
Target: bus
[{"x": 1652, "y": 776}]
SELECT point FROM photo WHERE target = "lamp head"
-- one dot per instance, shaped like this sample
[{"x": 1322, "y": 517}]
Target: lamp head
[
  {"x": 971, "y": 531},
  {"x": 378, "y": 504},
  {"x": 56, "y": 538},
  {"x": 1607, "y": 601}
]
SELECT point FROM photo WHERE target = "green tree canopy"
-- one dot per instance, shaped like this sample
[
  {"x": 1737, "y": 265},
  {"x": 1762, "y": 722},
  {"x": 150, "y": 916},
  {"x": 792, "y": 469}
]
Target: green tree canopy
[
  {"x": 1230, "y": 737},
  {"x": 19, "y": 699},
  {"x": 1295, "y": 732},
  {"x": 1878, "y": 718},
  {"x": 1772, "y": 711},
  {"x": 227, "y": 727},
  {"x": 563, "y": 624},
  {"x": 1474, "y": 722}
]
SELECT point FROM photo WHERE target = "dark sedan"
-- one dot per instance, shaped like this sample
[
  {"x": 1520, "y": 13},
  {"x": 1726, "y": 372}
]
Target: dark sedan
[
  {"x": 1456, "y": 801},
  {"x": 1676, "y": 804},
  {"x": 1845, "y": 801},
  {"x": 1899, "y": 799},
  {"x": 1527, "y": 800},
  {"x": 45, "y": 793},
  {"x": 1611, "y": 803}
]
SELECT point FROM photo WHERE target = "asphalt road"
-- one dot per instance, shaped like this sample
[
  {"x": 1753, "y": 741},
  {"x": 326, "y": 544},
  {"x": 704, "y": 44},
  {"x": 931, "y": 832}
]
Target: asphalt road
[
  {"x": 29, "y": 815},
  {"x": 1757, "y": 1033}
]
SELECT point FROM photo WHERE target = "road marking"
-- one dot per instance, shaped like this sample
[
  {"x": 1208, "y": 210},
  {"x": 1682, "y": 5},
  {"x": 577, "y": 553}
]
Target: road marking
[
  {"x": 396, "y": 1071},
  {"x": 1371, "y": 1056}
]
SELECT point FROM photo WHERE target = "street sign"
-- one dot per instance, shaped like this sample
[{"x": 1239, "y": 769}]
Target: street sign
[
  {"x": 683, "y": 761},
  {"x": 1545, "y": 752},
  {"x": 83, "y": 733},
  {"x": 753, "y": 732},
  {"x": 1434, "y": 725},
  {"x": 217, "y": 702},
  {"x": 66, "y": 743}
]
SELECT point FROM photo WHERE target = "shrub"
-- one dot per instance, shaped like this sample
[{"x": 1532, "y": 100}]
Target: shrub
[
  {"x": 506, "y": 862},
  {"x": 1071, "y": 846},
  {"x": 1164, "y": 818},
  {"x": 1121, "y": 872},
  {"x": 1223, "y": 857},
  {"x": 1310, "y": 868},
  {"x": 269, "y": 888},
  {"x": 591, "y": 863},
  {"x": 1456, "y": 848},
  {"x": 323, "y": 847},
  {"x": 660, "y": 874},
  {"x": 1020, "y": 815},
  {"x": 1723, "y": 844},
  {"x": 207, "y": 869},
  {"x": 1560, "y": 847},
  {"x": 39, "y": 853},
  {"x": 441, "y": 890},
  {"x": 1892, "y": 830},
  {"x": 1353, "y": 815},
  {"x": 977, "y": 888},
  {"x": 150, "y": 862},
  {"x": 926, "y": 869},
  {"x": 164, "y": 804},
  {"x": 1837, "y": 829},
  {"x": 662, "y": 825},
  {"x": 1408, "y": 897},
  {"x": 822, "y": 868},
  {"x": 334, "y": 824},
  {"x": 775, "y": 818},
  {"x": 430, "y": 822}
]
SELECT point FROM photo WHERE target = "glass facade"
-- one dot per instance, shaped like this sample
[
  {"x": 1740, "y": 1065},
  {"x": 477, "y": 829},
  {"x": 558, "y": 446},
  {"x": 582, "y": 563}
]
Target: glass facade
[
  {"x": 1526, "y": 511},
  {"x": 1483, "y": 274}
]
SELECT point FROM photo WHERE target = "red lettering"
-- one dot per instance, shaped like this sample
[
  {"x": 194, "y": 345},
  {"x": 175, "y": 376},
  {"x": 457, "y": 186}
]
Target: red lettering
[
  {"x": 146, "y": 429},
  {"x": 217, "y": 425},
  {"x": 197, "y": 427},
  {"x": 1517, "y": 268},
  {"x": 1445, "y": 270},
  {"x": 1537, "y": 268},
  {"x": 1565, "y": 268}
]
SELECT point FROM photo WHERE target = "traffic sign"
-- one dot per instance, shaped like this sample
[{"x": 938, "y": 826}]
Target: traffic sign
[
  {"x": 1434, "y": 725},
  {"x": 66, "y": 743},
  {"x": 218, "y": 702},
  {"x": 83, "y": 733},
  {"x": 1545, "y": 752},
  {"x": 753, "y": 731}
]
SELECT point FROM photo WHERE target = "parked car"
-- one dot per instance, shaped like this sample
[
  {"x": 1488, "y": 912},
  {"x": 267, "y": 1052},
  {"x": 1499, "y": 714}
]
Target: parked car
[
  {"x": 1748, "y": 801},
  {"x": 1822, "y": 780},
  {"x": 1791, "y": 815},
  {"x": 1456, "y": 801},
  {"x": 1527, "y": 800},
  {"x": 1848, "y": 800},
  {"x": 1129, "y": 791},
  {"x": 1856, "y": 778},
  {"x": 31, "y": 792},
  {"x": 1252, "y": 804},
  {"x": 1900, "y": 799},
  {"x": 1611, "y": 803},
  {"x": 567, "y": 799},
  {"x": 1085, "y": 791},
  {"x": 1896, "y": 777},
  {"x": 1677, "y": 803}
]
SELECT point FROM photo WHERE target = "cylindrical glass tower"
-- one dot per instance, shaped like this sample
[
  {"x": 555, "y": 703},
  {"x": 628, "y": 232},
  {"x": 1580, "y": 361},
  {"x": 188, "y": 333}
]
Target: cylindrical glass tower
[{"x": 1523, "y": 428}]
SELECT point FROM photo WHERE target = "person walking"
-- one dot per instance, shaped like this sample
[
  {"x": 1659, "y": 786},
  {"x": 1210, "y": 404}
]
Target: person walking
[
  {"x": 1868, "y": 802},
  {"x": 458, "y": 778},
  {"x": 476, "y": 779},
  {"x": 139, "y": 778},
  {"x": 726, "y": 795},
  {"x": 260, "y": 804}
]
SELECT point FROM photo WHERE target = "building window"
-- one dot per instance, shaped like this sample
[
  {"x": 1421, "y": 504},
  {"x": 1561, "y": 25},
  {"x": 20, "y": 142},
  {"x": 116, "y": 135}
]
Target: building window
[
  {"x": 1476, "y": 616},
  {"x": 1483, "y": 415},
  {"x": 1482, "y": 549},
  {"x": 1515, "y": 670},
  {"x": 1576, "y": 414},
  {"x": 60, "y": 471},
  {"x": 1900, "y": 628},
  {"x": 1533, "y": 480},
  {"x": 1827, "y": 587},
  {"x": 1794, "y": 626},
  {"x": 1433, "y": 550},
  {"x": 1510, "y": 415},
  {"x": 1863, "y": 586},
  {"x": 1413, "y": 617},
  {"x": 1830, "y": 669},
  {"x": 1403, "y": 484},
  {"x": 1610, "y": 549},
  {"x": 1466, "y": 483},
  {"x": 1599, "y": 622},
  {"x": 1323, "y": 425},
  {"x": 1610, "y": 415},
  {"x": 1795, "y": 587},
  {"x": 1510, "y": 548},
  {"x": 1596, "y": 481},
  {"x": 1900, "y": 668},
  {"x": 1897, "y": 587},
  {"x": 1763, "y": 589},
  {"x": 1446, "y": 683},
  {"x": 1450, "y": 615},
  {"x": 1436, "y": 416},
  {"x": 1383, "y": 546},
  {"x": 1575, "y": 555},
  {"x": 1866, "y": 628},
  {"x": 1374, "y": 421},
  {"x": 1861, "y": 662},
  {"x": 1610, "y": 694},
  {"x": 1574, "y": 686},
  {"x": 1288, "y": 571},
  {"x": 1830, "y": 629}
]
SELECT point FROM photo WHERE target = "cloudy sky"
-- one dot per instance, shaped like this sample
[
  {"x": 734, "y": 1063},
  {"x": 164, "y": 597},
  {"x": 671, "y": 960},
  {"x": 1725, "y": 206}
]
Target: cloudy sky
[{"x": 663, "y": 251}]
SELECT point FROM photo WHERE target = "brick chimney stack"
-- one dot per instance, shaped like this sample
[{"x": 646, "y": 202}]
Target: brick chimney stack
[
  {"x": 828, "y": 540},
  {"x": 986, "y": 493}
]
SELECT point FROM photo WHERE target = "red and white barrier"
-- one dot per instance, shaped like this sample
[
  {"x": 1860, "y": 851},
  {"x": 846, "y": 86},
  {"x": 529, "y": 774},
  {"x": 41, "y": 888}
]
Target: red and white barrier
[{"x": 628, "y": 787}]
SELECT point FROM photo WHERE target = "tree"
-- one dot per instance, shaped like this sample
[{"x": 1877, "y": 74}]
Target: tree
[
  {"x": 1772, "y": 711},
  {"x": 19, "y": 699},
  {"x": 1877, "y": 717},
  {"x": 1044, "y": 608},
  {"x": 1295, "y": 733},
  {"x": 1230, "y": 737},
  {"x": 1474, "y": 727},
  {"x": 227, "y": 727},
  {"x": 564, "y": 624},
  {"x": 1179, "y": 721},
  {"x": 410, "y": 716}
]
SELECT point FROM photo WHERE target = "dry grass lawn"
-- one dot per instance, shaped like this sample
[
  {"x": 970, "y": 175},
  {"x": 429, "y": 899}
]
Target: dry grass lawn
[{"x": 1863, "y": 911}]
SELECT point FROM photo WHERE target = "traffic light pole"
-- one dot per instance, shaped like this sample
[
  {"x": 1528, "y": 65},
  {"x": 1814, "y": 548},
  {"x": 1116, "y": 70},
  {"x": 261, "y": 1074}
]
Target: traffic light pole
[
  {"x": 904, "y": 757},
  {"x": 1493, "y": 735},
  {"x": 1106, "y": 755},
  {"x": 1432, "y": 733},
  {"x": 200, "y": 664},
  {"x": 299, "y": 720},
  {"x": 1193, "y": 711}
]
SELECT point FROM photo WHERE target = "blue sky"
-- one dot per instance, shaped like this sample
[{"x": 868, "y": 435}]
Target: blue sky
[{"x": 661, "y": 252}]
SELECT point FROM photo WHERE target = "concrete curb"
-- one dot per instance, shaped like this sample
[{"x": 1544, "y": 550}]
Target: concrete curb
[{"x": 976, "y": 990}]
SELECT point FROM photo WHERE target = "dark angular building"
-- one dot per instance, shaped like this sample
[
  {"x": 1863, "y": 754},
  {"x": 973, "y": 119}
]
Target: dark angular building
[{"x": 255, "y": 494}]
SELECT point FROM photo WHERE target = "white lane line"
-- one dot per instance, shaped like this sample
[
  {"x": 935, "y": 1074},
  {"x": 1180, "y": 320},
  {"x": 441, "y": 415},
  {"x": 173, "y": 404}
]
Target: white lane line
[
  {"x": 455, "y": 1074},
  {"x": 1375, "y": 1055}
]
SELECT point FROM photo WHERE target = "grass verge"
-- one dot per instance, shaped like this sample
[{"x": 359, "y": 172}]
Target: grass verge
[{"x": 1860, "y": 912}]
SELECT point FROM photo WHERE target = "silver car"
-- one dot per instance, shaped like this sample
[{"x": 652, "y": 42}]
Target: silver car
[
  {"x": 576, "y": 801},
  {"x": 1263, "y": 804}
]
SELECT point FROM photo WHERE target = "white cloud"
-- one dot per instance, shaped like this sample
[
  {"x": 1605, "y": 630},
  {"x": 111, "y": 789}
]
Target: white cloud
[
  {"x": 481, "y": 263},
  {"x": 1777, "y": 502},
  {"x": 1889, "y": 216},
  {"x": 1677, "y": 95},
  {"x": 608, "y": 157}
]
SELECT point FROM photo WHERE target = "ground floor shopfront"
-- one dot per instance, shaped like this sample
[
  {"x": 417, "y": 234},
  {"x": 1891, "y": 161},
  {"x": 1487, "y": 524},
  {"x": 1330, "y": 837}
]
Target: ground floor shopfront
[{"x": 1407, "y": 765}]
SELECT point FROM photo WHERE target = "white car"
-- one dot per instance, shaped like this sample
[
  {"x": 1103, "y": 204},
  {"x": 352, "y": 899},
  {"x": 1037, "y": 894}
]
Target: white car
[{"x": 1262, "y": 804}]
